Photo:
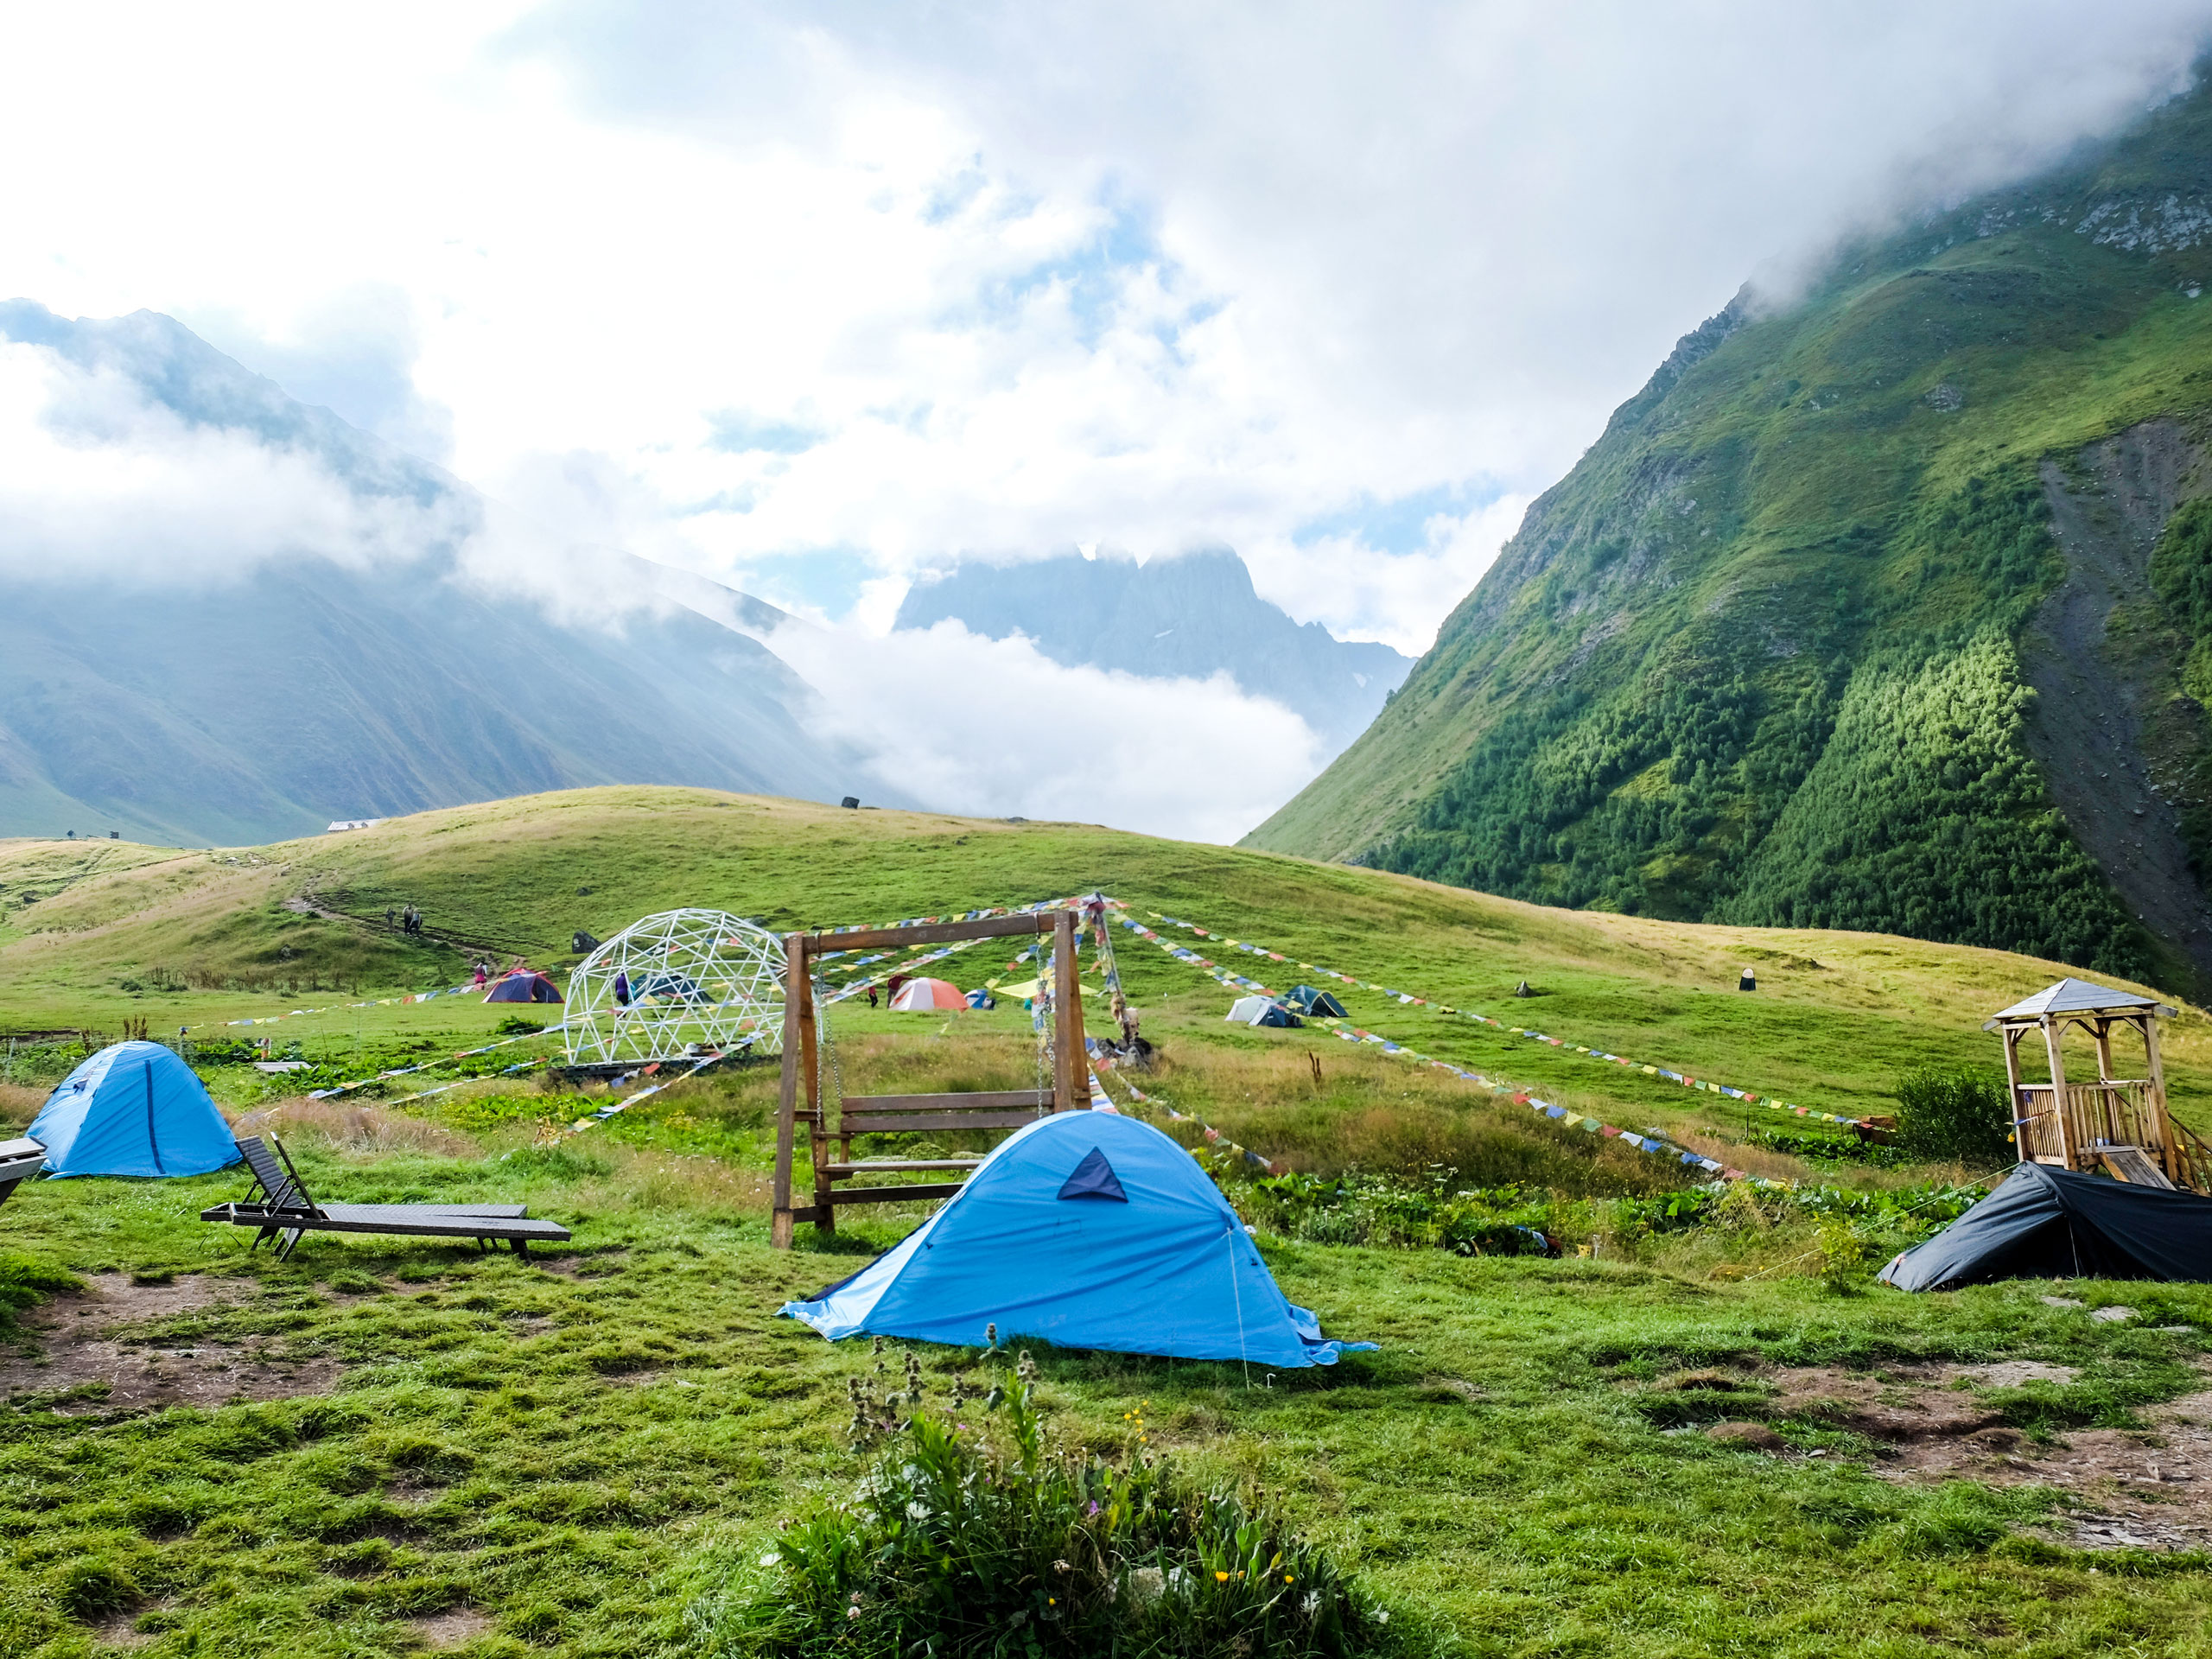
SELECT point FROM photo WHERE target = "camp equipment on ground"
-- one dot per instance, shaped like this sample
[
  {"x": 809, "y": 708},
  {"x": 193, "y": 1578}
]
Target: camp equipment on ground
[
  {"x": 927, "y": 996},
  {"x": 1259, "y": 1011},
  {"x": 285, "y": 1210},
  {"x": 2119, "y": 1125},
  {"x": 2044, "y": 1222},
  {"x": 524, "y": 985},
  {"x": 1085, "y": 1229},
  {"x": 19, "y": 1161},
  {"x": 1320, "y": 1005},
  {"x": 133, "y": 1108},
  {"x": 1748, "y": 981}
]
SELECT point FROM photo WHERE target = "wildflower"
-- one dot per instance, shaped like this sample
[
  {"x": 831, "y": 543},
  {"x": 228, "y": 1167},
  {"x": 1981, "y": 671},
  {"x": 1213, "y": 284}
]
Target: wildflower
[
  {"x": 770, "y": 1559},
  {"x": 1147, "y": 1585},
  {"x": 852, "y": 1612},
  {"x": 1221, "y": 1577}
]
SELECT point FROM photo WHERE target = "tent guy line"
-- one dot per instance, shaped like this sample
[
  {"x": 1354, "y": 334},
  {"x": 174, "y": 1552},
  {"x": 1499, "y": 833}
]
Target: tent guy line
[
  {"x": 1408, "y": 998},
  {"x": 1350, "y": 1032}
]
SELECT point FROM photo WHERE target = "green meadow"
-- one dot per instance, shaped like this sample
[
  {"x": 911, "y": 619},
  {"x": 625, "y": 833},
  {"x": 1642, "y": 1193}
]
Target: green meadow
[{"x": 384, "y": 1446}]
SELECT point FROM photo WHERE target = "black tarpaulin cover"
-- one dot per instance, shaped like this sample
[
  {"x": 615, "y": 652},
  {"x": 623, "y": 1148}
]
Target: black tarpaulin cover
[{"x": 2053, "y": 1224}]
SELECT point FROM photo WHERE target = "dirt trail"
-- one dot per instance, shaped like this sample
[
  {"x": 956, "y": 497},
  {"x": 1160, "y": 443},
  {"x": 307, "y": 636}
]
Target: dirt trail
[
  {"x": 94, "y": 1354},
  {"x": 2094, "y": 699}
]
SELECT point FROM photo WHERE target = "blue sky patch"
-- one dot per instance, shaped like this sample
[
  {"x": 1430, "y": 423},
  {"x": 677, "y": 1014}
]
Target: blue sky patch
[
  {"x": 740, "y": 434},
  {"x": 1399, "y": 525},
  {"x": 826, "y": 579}
]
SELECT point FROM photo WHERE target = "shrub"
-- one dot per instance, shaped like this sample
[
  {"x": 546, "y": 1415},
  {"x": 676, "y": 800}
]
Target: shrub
[
  {"x": 966, "y": 1543},
  {"x": 1954, "y": 1114}
]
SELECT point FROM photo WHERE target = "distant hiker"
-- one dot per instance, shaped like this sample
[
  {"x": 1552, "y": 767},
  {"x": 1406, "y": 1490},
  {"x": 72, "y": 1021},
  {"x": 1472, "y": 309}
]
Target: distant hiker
[
  {"x": 482, "y": 973},
  {"x": 870, "y": 996},
  {"x": 622, "y": 990},
  {"x": 390, "y": 915}
]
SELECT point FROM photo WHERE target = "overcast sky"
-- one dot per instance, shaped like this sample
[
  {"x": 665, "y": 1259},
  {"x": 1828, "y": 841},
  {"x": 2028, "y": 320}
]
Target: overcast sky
[{"x": 815, "y": 296}]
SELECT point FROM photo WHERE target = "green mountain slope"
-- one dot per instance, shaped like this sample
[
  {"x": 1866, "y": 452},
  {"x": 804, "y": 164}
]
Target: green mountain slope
[{"x": 1882, "y": 610}]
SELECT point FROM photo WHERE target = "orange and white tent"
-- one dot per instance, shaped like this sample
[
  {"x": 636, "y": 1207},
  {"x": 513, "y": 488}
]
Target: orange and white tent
[{"x": 922, "y": 995}]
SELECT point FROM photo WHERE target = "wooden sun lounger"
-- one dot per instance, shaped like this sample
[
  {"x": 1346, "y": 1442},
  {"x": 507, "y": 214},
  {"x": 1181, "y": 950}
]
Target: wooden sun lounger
[
  {"x": 19, "y": 1161},
  {"x": 285, "y": 1210}
]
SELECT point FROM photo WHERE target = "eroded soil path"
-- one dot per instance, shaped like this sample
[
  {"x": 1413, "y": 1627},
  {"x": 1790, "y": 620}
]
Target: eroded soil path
[{"x": 115, "y": 1348}]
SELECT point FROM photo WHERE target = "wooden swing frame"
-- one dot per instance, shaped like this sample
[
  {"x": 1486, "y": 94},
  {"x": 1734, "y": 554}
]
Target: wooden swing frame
[{"x": 802, "y": 1100}]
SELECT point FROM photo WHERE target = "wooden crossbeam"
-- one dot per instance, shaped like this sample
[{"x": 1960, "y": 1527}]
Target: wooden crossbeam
[{"x": 894, "y": 1194}]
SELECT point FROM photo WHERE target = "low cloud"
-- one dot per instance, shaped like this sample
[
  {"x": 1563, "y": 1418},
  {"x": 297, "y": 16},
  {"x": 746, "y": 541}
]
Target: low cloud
[
  {"x": 993, "y": 728},
  {"x": 99, "y": 483}
]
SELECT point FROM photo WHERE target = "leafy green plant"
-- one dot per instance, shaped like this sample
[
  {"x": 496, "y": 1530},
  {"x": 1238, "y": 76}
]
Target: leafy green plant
[
  {"x": 1954, "y": 1113},
  {"x": 1004, "y": 1541}
]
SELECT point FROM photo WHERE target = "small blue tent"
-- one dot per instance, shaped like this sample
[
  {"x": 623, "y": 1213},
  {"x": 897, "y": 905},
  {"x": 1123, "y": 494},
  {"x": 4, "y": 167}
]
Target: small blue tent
[
  {"x": 1303, "y": 999},
  {"x": 1085, "y": 1229},
  {"x": 133, "y": 1108}
]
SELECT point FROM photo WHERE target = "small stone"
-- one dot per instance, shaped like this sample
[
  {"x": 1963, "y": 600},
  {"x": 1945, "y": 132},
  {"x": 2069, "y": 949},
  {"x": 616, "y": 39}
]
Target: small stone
[
  {"x": 2113, "y": 1315},
  {"x": 2179, "y": 1329},
  {"x": 1757, "y": 1436},
  {"x": 2060, "y": 1301}
]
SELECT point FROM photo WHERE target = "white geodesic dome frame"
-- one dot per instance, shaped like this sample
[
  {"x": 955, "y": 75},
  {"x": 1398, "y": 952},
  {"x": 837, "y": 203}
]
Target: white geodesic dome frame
[{"x": 697, "y": 980}]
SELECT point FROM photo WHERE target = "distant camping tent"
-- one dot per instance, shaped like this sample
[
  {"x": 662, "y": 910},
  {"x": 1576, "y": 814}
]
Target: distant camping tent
[
  {"x": 1259, "y": 1011},
  {"x": 2043, "y": 1222},
  {"x": 922, "y": 995},
  {"x": 527, "y": 986},
  {"x": 1303, "y": 999},
  {"x": 133, "y": 1108},
  {"x": 1085, "y": 1229},
  {"x": 980, "y": 998}
]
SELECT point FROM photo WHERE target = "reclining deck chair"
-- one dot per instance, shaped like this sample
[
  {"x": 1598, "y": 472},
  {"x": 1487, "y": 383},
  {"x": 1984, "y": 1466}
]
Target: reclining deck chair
[
  {"x": 19, "y": 1161},
  {"x": 285, "y": 1210}
]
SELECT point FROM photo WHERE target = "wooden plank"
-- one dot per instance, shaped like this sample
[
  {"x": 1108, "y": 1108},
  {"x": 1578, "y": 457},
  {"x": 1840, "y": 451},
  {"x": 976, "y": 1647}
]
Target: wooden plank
[
  {"x": 22, "y": 1148},
  {"x": 930, "y": 1123},
  {"x": 897, "y": 1167},
  {"x": 779, "y": 1225},
  {"x": 894, "y": 1194},
  {"x": 981, "y": 1100},
  {"x": 429, "y": 1226},
  {"x": 878, "y": 938},
  {"x": 2133, "y": 1165},
  {"x": 806, "y": 1213}
]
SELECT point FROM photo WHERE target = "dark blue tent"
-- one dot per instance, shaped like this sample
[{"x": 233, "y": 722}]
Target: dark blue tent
[
  {"x": 1303, "y": 999},
  {"x": 133, "y": 1108},
  {"x": 2043, "y": 1222},
  {"x": 1085, "y": 1229}
]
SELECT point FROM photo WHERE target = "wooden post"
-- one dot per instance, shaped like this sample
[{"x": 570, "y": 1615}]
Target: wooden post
[
  {"x": 825, "y": 1214},
  {"x": 1071, "y": 1084},
  {"x": 795, "y": 992},
  {"x": 2155, "y": 1070},
  {"x": 2012, "y": 1086},
  {"x": 2052, "y": 1025}
]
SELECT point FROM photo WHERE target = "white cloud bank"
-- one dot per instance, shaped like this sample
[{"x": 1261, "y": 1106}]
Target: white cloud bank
[
  {"x": 994, "y": 729},
  {"x": 816, "y": 297},
  {"x": 99, "y": 484}
]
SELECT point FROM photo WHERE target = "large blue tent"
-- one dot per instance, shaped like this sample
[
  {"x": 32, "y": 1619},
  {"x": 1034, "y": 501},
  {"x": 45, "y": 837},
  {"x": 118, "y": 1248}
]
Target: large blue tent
[
  {"x": 133, "y": 1108},
  {"x": 1085, "y": 1229}
]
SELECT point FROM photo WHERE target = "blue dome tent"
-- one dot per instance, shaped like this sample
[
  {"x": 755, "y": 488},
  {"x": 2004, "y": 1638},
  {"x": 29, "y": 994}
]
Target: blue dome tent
[
  {"x": 1085, "y": 1229},
  {"x": 133, "y": 1108}
]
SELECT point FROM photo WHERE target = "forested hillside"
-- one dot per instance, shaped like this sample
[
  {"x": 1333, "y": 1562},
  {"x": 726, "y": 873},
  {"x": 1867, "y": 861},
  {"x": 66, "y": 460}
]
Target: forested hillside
[{"x": 1887, "y": 607}]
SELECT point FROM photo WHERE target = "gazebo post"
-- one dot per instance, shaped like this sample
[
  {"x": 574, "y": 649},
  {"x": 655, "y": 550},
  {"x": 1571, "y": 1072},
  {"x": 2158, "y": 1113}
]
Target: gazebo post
[
  {"x": 796, "y": 987},
  {"x": 2011, "y": 1034},
  {"x": 2053, "y": 1027},
  {"x": 2155, "y": 1070}
]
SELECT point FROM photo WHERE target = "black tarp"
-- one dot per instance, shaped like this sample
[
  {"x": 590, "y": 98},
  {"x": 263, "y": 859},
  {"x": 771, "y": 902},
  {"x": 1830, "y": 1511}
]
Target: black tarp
[{"x": 2043, "y": 1222}]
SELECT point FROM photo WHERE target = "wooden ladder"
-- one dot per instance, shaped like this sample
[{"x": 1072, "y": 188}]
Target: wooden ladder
[{"x": 2133, "y": 1165}]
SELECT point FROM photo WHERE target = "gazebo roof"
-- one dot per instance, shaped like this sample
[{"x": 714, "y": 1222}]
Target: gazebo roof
[{"x": 2078, "y": 996}]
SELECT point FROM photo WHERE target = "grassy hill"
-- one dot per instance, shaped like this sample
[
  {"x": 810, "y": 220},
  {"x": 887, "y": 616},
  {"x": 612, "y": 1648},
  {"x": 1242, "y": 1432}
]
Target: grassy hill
[
  {"x": 381, "y": 1446},
  {"x": 384, "y": 1445},
  {"x": 237, "y": 933},
  {"x": 1879, "y": 607}
]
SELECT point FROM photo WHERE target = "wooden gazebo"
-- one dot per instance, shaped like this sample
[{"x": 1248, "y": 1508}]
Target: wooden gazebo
[{"x": 2119, "y": 1125}]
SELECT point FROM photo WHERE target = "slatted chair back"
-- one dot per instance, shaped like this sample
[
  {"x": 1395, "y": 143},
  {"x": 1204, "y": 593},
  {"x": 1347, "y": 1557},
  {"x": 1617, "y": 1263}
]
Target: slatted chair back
[{"x": 281, "y": 1187}]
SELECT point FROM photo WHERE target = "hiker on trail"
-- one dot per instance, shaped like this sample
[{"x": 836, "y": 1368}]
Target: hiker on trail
[
  {"x": 481, "y": 974},
  {"x": 390, "y": 915}
]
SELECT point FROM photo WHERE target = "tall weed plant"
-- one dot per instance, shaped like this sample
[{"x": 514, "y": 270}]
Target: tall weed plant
[{"x": 976, "y": 1532}]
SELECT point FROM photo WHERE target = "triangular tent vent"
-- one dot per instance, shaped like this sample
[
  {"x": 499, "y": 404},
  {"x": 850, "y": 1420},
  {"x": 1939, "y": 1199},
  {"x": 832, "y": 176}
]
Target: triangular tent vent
[{"x": 1094, "y": 1178}]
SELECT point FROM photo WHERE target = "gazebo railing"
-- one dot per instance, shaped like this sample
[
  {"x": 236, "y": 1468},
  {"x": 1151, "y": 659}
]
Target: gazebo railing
[{"x": 2120, "y": 1113}]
